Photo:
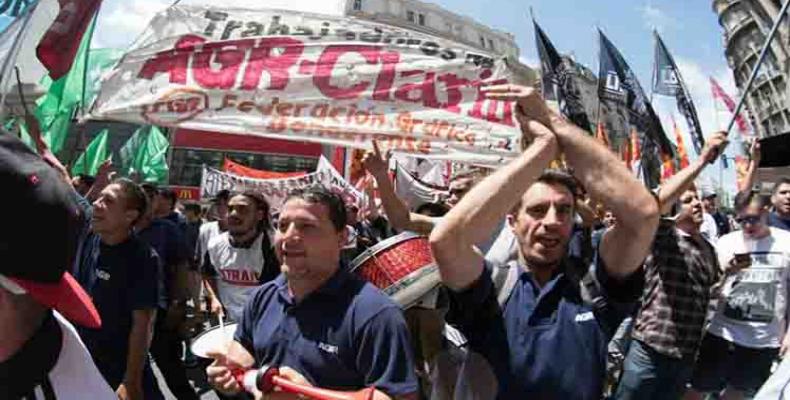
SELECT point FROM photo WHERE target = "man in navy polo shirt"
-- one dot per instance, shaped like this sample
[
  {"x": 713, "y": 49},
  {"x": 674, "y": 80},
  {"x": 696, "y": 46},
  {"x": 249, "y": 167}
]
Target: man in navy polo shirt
[
  {"x": 123, "y": 276},
  {"x": 543, "y": 341},
  {"x": 324, "y": 325}
]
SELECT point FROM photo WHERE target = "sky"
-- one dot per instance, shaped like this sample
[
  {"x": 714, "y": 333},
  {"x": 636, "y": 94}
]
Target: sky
[{"x": 690, "y": 30}]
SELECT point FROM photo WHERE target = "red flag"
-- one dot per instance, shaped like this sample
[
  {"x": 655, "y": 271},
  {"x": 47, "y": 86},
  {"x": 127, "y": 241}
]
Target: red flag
[
  {"x": 626, "y": 152},
  {"x": 667, "y": 166},
  {"x": 719, "y": 93},
  {"x": 601, "y": 135},
  {"x": 60, "y": 42},
  {"x": 235, "y": 168},
  {"x": 636, "y": 152},
  {"x": 682, "y": 155}
]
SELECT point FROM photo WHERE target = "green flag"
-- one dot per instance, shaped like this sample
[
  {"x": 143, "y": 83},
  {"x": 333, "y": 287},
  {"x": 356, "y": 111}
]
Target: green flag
[
  {"x": 55, "y": 109},
  {"x": 145, "y": 154},
  {"x": 95, "y": 154},
  {"x": 129, "y": 150}
]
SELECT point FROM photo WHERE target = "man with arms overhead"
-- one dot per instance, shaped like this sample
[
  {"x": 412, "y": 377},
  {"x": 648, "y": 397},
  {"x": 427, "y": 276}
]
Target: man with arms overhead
[{"x": 544, "y": 341}]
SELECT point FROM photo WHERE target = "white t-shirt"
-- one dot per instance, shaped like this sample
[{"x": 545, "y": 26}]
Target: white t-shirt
[
  {"x": 752, "y": 311},
  {"x": 73, "y": 375},
  {"x": 238, "y": 271},
  {"x": 207, "y": 231},
  {"x": 708, "y": 229}
]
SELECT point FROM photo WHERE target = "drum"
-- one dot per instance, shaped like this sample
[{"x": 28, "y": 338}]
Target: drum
[
  {"x": 401, "y": 266},
  {"x": 213, "y": 339}
]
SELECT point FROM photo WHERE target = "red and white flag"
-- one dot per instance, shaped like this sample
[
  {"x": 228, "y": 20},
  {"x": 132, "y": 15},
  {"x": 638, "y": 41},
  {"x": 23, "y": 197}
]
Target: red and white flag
[
  {"x": 719, "y": 93},
  {"x": 60, "y": 42}
]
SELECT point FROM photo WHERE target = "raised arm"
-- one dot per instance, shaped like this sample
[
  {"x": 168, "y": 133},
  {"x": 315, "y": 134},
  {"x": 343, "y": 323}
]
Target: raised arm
[
  {"x": 606, "y": 180},
  {"x": 678, "y": 183},
  {"x": 754, "y": 163},
  {"x": 482, "y": 209},
  {"x": 396, "y": 209}
]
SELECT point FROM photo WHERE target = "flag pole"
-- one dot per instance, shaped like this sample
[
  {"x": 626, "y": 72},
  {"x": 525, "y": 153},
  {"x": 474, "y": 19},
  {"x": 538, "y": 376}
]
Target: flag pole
[
  {"x": 597, "y": 89},
  {"x": 654, "y": 78},
  {"x": 756, "y": 68},
  {"x": 86, "y": 62}
]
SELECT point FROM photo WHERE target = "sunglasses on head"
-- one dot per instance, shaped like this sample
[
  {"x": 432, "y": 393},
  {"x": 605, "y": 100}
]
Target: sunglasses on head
[{"x": 750, "y": 219}]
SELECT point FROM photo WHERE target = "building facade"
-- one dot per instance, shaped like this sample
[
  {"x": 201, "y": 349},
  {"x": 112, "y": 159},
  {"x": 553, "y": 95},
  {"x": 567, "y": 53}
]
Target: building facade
[
  {"x": 745, "y": 25},
  {"x": 434, "y": 20}
]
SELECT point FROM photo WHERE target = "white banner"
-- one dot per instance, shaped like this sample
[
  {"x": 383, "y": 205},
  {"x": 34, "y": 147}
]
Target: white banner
[
  {"x": 276, "y": 190},
  {"x": 310, "y": 77}
]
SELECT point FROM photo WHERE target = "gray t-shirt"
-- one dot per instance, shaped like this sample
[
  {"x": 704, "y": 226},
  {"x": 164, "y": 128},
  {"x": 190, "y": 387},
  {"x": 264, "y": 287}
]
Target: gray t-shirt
[{"x": 752, "y": 311}]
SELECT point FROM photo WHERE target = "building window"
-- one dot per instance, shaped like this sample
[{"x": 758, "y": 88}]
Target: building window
[
  {"x": 491, "y": 44},
  {"x": 482, "y": 42},
  {"x": 410, "y": 16},
  {"x": 357, "y": 5},
  {"x": 421, "y": 19}
]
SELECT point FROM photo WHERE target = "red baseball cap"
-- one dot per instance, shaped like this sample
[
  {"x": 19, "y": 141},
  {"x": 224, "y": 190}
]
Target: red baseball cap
[{"x": 41, "y": 235}]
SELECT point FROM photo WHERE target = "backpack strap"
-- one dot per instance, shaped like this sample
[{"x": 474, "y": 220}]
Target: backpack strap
[{"x": 505, "y": 278}]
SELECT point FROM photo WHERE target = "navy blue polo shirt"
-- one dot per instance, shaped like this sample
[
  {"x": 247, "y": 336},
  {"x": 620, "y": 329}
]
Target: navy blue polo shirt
[
  {"x": 544, "y": 343},
  {"x": 778, "y": 222},
  {"x": 346, "y": 335},
  {"x": 167, "y": 240},
  {"x": 120, "y": 279}
]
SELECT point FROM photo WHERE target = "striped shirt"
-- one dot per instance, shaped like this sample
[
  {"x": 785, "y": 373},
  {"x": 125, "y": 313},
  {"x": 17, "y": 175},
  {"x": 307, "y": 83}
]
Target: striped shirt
[{"x": 680, "y": 273}]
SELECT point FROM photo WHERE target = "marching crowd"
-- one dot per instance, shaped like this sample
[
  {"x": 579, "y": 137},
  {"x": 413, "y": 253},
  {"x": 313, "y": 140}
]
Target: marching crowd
[{"x": 574, "y": 283}]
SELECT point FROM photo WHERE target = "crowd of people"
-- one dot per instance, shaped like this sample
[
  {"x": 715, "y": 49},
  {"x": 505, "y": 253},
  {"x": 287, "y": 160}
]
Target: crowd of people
[{"x": 572, "y": 283}]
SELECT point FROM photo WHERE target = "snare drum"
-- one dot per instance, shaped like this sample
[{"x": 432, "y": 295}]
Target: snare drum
[
  {"x": 213, "y": 339},
  {"x": 401, "y": 266}
]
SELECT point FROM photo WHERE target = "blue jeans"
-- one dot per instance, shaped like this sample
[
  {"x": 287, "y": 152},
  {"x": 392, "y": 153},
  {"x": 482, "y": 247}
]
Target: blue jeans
[{"x": 648, "y": 375}]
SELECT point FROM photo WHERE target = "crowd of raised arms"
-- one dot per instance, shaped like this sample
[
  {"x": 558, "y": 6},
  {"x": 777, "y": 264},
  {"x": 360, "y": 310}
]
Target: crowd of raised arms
[{"x": 524, "y": 282}]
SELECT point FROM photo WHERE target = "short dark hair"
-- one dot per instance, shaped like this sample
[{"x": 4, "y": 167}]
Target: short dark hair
[
  {"x": 474, "y": 174},
  {"x": 170, "y": 195},
  {"x": 193, "y": 207},
  {"x": 135, "y": 196},
  {"x": 260, "y": 204},
  {"x": 432, "y": 209},
  {"x": 319, "y": 194},
  {"x": 86, "y": 179},
  {"x": 222, "y": 195},
  {"x": 554, "y": 176},
  {"x": 785, "y": 180},
  {"x": 746, "y": 197}
]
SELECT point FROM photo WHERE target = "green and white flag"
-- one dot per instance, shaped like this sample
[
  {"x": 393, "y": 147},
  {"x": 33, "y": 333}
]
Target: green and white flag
[
  {"x": 95, "y": 154},
  {"x": 145, "y": 155}
]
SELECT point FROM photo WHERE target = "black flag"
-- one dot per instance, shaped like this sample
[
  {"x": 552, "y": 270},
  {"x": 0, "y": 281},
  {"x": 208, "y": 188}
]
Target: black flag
[
  {"x": 558, "y": 82},
  {"x": 668, "y": 82},
  {"x": 618, "y": 86}
]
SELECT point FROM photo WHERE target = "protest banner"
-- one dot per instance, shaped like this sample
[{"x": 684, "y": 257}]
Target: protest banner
[
  {"x": 276, "y": 190},
  {"x": 310, "y": 77}
]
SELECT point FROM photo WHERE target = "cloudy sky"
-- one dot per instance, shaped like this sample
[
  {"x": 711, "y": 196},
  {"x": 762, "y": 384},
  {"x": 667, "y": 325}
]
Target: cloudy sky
[{"x": 690, "y": 29}]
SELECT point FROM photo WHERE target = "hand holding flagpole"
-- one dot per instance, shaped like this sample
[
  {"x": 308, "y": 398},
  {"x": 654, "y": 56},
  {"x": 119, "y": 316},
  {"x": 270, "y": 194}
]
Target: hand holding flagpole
[{"x": 756, "y": 68}]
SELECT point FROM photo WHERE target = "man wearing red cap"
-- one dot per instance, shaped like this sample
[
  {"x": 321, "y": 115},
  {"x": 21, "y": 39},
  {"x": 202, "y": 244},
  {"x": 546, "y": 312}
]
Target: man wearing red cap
[{"x": 41, "y": 355}]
